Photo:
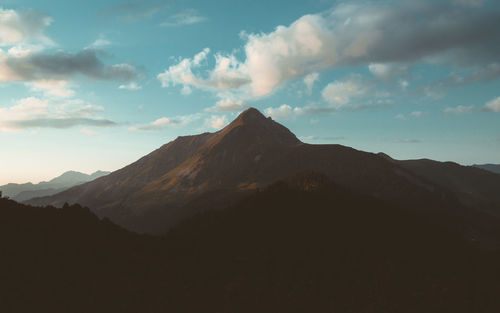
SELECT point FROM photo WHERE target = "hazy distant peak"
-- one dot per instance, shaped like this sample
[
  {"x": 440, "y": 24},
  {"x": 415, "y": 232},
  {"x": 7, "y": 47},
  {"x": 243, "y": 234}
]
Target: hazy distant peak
[
  {"x": 97, "y": 174},
  {"x": 69, "y": 176}
]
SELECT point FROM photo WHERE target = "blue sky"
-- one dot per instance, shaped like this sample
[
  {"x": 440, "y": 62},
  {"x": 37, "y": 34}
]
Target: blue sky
[{"x": 97, "y": 84}]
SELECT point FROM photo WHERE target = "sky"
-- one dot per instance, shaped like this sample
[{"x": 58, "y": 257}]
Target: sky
[{"x": 95, "y": 85}]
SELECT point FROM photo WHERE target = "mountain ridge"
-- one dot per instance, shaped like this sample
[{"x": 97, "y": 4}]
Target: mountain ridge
[
  {"x": 494, "y": 168},
  {"x": 176, "y": 180},
  {"x": 68, "y": 179}
]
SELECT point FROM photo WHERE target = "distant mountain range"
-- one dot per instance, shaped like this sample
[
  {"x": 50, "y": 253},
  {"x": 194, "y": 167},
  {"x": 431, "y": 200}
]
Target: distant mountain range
[
  {"x": 196, "y": 173},
  {"x": 495, "y": 168},
  {"x": 23, "y": 192}
]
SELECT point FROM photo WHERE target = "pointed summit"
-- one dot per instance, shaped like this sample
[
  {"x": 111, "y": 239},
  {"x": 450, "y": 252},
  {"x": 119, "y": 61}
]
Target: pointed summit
[
  {"x": 251, "y": 114},
  {"x": 252, "y": 125}
]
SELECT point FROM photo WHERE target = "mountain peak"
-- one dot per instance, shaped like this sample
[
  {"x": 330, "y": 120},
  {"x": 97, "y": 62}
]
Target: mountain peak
[
  {"x": 250, "y": 116},
  {"x": 251, "y": 113},
  {"x": 252, "y": 124}
]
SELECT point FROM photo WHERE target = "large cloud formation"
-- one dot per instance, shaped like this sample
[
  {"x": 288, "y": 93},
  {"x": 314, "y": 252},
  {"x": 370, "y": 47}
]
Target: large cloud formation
[{"x": 351, "y": 35}]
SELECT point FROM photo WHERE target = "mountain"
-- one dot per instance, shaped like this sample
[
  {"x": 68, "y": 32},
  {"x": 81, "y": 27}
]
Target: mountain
[
  {"x": 194, "y": 173},
  {"x": 302, "y": 244},
  {"x": 495, "y": 168},
  {"x": 472, "y": 186},
  {"x": 23, "y": 192}
]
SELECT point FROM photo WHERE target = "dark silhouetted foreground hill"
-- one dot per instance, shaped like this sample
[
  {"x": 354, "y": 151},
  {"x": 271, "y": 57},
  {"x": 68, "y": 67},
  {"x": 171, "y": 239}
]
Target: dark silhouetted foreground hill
[
  {"x": 214, "y": 169},
  {"x": 302, "y": 245}
]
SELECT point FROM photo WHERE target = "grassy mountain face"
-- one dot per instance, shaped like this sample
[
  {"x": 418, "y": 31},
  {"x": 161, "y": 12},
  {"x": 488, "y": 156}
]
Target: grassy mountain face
[
  {"x": 494, "y": 168},
  {"x": 194, "y": 172},
  {"x": 23, "y": 192},
  {"x": 303, "y": 244}
]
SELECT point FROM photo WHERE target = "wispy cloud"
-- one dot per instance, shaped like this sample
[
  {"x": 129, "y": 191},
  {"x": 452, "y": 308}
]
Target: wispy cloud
[
  {"x": 165, "y": 122},
  {"x": 482, "y": 74},
  {"x": 228, "y": 104},
  {"x": 459, "y": 110},
  {"x": 407, "y": 140},
  {"x": 321, "y": 138},
  {"x": 56, "y": 88},
  {"x": 132, "y": 11},
  {"x": 61, "y": 66},
  {"x": 309, "y": 81},
  {"x": 186, "y": 17},
  {"x": 100, "y": 43},
  {"x": 493, "y": 105},
  {"x": 133, "y": 86},
  {"x": 412, "y": 115},
  {"x": 216, "y": 122},
  {"x": 33, "y": 112}
]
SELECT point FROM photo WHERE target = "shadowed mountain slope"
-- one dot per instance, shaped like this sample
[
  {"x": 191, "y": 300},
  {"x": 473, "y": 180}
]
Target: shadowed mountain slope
[{"x": 187, "y": 174}]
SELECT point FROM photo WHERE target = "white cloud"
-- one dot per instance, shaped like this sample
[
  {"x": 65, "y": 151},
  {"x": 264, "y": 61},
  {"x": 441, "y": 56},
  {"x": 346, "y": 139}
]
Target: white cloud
[
  {"x": 416, "y": 114},
  {"x": 133, "y": 86},
  {"x": 283, "y": 112},
  {"x": 186, "y": 90},
  {"x": 89, "y": 132},
  {"x": 404, "y": 84},
  {"x": 163, "y": 122},
  {"x": 100, "y": 43},
  {"x": 228, "y": 104},
  {"x": 387, "y": 71},
  {"x": 227, "y": 73},
  {"x": 493, "y": 105},
  {"x": 34, "y": 112},
  {"x": 349, "y": 34},
  {"x": 279, "y": 113},
  {"x": 50, "y": 87},
  {"x": 309, "y": 80},
  {"x": 20, "y": 26},
  {"x": 458, "y": 110},
  {"x": 216, "y": 122},
  {"x": 340, "y": 92}
]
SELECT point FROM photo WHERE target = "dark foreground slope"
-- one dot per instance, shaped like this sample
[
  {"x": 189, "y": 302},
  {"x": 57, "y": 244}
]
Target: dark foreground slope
[{"x": 304, "y": 245}]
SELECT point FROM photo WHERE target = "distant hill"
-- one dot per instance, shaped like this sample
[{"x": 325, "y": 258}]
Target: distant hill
[
  {"x": 495, "y": 168},
  {"x": 303, "y": 244},
  {"x": 473, "y": 187},
  {"x": 23, "y": 192},
  {"x": 193, "y": 173}
]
